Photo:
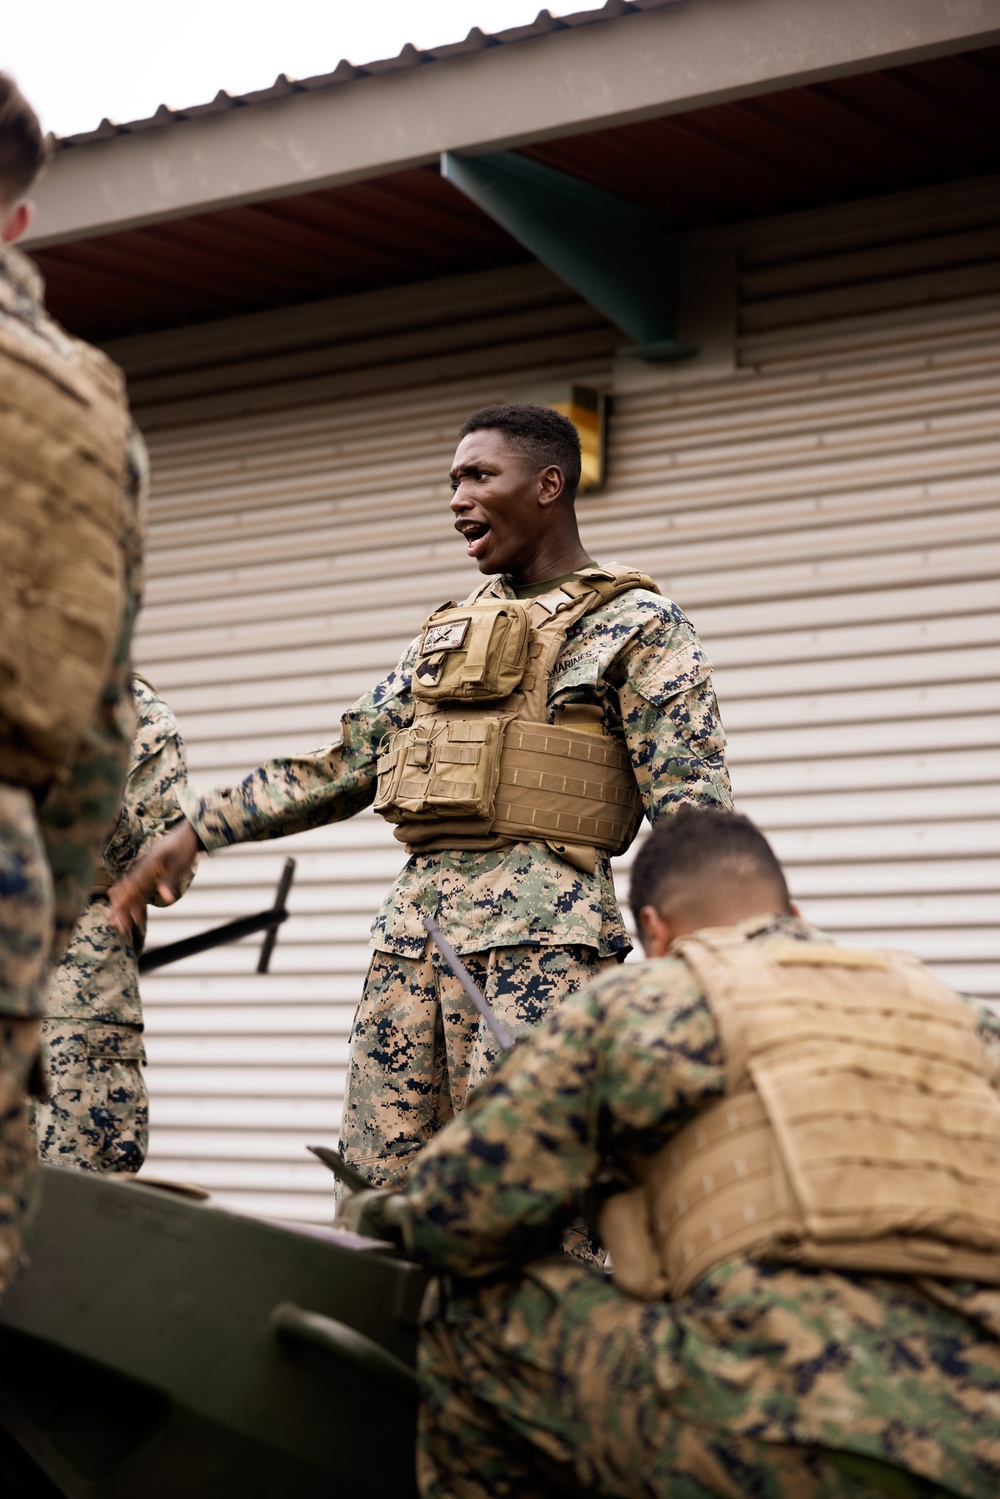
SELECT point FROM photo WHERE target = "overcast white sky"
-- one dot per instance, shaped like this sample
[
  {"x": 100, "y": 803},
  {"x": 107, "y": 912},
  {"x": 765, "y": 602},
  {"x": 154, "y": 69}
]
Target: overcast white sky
[{"x": 79, "y": 60}]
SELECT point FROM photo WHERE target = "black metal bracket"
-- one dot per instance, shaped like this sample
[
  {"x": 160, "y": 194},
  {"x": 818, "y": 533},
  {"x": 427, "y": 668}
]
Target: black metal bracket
[{"x": 267, "y": 922}]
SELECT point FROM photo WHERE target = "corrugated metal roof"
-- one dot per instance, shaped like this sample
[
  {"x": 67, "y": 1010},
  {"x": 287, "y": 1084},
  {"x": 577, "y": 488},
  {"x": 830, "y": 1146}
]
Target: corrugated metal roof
[
  {"x": 347, "y": 72},
  {"x": 847, "y": 138}
]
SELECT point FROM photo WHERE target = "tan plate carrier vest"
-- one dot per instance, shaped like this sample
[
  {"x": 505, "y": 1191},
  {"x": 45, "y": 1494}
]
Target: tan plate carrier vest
[
  {"x": 63, "y": 432},
  {"x": 481, "y": 766},
  {"x": 858, "y": 1130}
]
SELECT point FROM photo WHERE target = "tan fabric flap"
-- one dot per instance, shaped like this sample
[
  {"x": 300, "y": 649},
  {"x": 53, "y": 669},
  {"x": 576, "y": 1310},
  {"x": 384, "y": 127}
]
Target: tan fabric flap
[{"x": 122, "y": 1041}]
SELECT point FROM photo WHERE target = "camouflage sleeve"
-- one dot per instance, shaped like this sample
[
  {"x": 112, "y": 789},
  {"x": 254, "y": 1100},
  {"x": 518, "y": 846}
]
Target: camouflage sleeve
[
  {"x": 298, "y": 792},
  {"x": 79, "y": 811},
  {"x": 670, "y": 716},
  {"x": 157, "y": 772},
  {"x": 625, "y": 1060},
  {"x": 988, "y": 1032}
]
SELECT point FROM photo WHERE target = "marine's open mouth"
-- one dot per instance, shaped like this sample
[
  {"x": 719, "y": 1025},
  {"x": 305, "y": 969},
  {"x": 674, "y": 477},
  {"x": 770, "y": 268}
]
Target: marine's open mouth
[{"x": 475, "y": 534}]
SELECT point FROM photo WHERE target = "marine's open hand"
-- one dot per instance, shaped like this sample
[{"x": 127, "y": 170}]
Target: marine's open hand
[{"x": 163, "y": 869}]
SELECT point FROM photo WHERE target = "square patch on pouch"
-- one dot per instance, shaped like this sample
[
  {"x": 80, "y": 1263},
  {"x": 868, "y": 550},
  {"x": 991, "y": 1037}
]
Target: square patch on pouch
[{"x": 444, "y": 637}]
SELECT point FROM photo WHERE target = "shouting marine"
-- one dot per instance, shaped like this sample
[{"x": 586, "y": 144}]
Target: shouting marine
[{"x": 515, "y": 747}]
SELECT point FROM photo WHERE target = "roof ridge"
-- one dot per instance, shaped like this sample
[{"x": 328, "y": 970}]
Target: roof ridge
[{"x": 347, "y": 72}]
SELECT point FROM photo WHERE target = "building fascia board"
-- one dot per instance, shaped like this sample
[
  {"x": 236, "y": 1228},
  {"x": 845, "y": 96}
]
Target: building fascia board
[{"x": 566, "y": 83}]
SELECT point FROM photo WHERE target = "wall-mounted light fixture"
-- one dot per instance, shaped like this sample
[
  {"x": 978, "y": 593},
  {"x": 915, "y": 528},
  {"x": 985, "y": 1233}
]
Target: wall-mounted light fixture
[{"x": 586, "y": 408}]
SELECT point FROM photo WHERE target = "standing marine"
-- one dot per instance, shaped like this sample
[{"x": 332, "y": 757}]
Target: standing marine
[
  {"x": 72, "y": 473},
  {"x": 792, "y": 1152},
  {"x": 96, "y": 1116},
  {"x": 515, "y": 747}
]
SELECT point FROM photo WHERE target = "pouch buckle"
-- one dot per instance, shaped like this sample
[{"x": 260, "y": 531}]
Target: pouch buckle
[{"x": 420, "y": 754}]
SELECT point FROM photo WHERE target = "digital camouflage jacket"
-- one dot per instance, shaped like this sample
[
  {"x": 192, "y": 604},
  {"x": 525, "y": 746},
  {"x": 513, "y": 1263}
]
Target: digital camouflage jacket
[
  {"x": 97, "y": 980},
  {"x": 903, "y": 1370},
  {"x": 638, "y": 657}
]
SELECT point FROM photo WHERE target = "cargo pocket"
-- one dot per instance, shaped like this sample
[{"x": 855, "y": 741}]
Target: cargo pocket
[
  {"x": 660, "y": 676},
  {"x": 115, "y": 1042}
]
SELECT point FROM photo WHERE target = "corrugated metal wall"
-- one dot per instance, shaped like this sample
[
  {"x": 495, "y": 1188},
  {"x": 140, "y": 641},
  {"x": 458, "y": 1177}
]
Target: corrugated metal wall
[{"x": 827, "y": 510}]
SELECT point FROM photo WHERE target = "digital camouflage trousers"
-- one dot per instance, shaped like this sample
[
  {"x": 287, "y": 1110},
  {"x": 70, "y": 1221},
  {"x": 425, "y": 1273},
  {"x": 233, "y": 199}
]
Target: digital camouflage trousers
[
  {"x": 96, "y": 1117},
  {"x": 27, "y": 906},
  {"x": 26, "y": 935},
  {"x": 555, "y": 1382},
  {"x": 418, "y": 1046},
  {"x": 19, "y": 1051}
]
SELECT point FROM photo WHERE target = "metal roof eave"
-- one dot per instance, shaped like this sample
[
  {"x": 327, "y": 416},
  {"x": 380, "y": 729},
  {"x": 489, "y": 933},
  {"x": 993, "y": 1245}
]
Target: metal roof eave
[{"x": 569, "y": 80}]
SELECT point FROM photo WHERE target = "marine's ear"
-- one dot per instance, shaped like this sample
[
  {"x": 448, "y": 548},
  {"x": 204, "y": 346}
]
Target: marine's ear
[
  {"x": 655, "y": 932},
  {"x": 18, "y": 222},
  {"x": 551, "y": 484}
]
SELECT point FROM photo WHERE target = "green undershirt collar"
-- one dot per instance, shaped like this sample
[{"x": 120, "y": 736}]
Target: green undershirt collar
[{"x": 535, "y": 590}]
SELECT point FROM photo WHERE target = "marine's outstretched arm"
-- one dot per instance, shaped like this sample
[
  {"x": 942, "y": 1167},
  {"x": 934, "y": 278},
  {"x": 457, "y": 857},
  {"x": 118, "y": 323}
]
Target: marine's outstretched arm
[{"x": 163, "y": 870}]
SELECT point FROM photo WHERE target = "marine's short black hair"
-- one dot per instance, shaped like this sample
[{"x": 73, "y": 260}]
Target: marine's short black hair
[
  {"x": 23, "y": 151},
  {"x": 699, "y": 842},
  {"x": 543, "y": 435}
]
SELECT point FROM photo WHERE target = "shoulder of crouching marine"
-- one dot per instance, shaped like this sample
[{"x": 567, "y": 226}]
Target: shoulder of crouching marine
[
  {"x": 988, "y": 1035},
  {"x": 654, "y": 1024},
  {"x": 664, "y": 987}
]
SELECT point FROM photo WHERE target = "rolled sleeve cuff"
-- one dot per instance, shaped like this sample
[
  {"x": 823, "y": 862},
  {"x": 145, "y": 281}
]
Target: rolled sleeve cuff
[{"x": 215, "y": 817}]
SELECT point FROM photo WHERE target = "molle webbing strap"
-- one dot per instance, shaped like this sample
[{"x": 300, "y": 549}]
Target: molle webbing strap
[
  {"x": 565, "y": 784},
  {"x": 102, "y": 879}
]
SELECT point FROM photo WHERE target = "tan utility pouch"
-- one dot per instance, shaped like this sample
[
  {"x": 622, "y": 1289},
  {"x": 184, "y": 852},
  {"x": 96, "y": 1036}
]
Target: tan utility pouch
[
  {"x": 473, "y": 652},
  {"x": 440, "y": 769}
]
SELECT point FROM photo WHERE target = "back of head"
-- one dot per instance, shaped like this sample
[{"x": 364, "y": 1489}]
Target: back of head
[
  {"x": 544, "y": 436},
  {"x": 23, "y": 150},
  {"x": 706, "y": 867}
]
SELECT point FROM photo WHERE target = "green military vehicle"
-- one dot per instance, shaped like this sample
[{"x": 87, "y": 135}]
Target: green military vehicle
[{"x": 159, "y": 1346}]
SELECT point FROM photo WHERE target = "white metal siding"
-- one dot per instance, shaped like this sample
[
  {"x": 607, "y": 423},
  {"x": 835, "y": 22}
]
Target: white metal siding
[{"x": 827, "y": 512}]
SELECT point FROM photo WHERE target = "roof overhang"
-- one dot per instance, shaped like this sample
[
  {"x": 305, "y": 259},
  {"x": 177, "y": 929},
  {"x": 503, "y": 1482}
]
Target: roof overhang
[{"x": 672, "y": 58}]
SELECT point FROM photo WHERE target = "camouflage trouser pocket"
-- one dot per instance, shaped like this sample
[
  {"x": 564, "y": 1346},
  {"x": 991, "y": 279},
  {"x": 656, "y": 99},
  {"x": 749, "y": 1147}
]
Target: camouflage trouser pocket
[
  {"x": 121, "y": 1041},
  {"x": 97, "y": 1114},
  {"x": 71, "y": 1043}
]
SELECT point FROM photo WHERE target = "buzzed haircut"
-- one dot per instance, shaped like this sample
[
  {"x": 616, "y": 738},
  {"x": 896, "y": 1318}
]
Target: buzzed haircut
[
  {"x": 541, "y": 434},
  {"x": 23, "y": 150},
  {"x": 701, "y": 843}
]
